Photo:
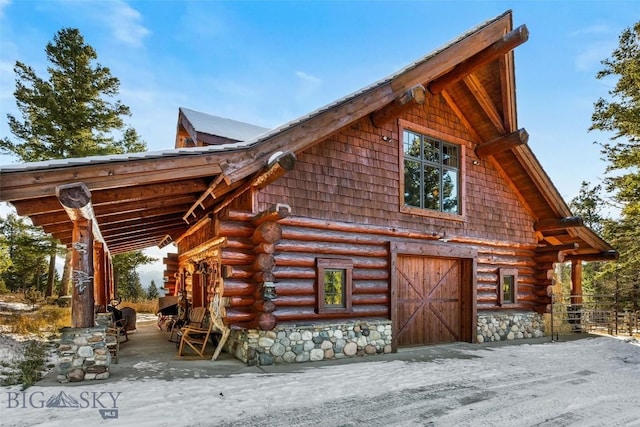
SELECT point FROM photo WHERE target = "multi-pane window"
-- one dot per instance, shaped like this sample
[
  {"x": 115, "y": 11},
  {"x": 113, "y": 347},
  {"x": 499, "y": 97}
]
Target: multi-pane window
[
  {"x": 431, "y": 173},
  {"x": 507, "y": 290},
  {"x": 334, "y": 280},
  {"x": 334, "y": 285}
]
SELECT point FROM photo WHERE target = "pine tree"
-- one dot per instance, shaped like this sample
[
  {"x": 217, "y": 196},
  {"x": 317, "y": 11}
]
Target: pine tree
[
  {"x": 152, "y": 291},
  {"x": 621, "y": 115},
  {"x": 70, "y": 114},
  {"x": 126, "y": 277},
  {"x": 28, "y": 247}
]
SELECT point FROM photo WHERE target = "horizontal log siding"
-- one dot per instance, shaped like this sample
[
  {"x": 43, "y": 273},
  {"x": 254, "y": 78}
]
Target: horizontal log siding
[
  {"x": 295, "y": 272},
  {"x": 305, "y": 239}
]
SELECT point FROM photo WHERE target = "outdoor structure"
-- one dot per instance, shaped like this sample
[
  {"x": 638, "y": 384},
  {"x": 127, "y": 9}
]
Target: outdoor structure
[{"x": 410, "y": 212}]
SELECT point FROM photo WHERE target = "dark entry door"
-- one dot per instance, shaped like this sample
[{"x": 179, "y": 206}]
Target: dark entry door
[{"x": 429, "y": 300}]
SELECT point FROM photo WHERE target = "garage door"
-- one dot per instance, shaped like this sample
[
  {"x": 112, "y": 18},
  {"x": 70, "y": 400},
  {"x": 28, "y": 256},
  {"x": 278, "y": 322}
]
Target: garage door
[{"x": 429, "y": 300}]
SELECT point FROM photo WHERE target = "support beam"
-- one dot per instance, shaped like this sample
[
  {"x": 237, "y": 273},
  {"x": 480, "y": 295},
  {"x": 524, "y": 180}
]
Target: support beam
[
  {"x": 414, "y": 96},
  {"x": 576, "y": 282},
  {"x": 273, "y": 213},
  {"x": 490, "y": 53},
  {"x": 558, "y": 223},
  {"x": 480, "y": 94},
  {"x": 76, "y": 200},
  {"x": 203, "y": 196},
  {"x": 557, "y": 248},
  {"x": 601, "y": 256},
  {"x": 279, "y": 164},
  {"x": 99, "y": 277},
  {"x": 504, "y": 143}
]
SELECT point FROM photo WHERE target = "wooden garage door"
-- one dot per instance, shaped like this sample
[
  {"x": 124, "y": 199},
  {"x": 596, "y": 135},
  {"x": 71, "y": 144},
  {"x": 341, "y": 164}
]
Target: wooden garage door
[{"x": 429, "y": 300}]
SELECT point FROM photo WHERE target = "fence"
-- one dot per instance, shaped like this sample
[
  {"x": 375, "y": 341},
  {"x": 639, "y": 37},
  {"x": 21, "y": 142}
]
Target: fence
[{"x": 591, "y": 313}]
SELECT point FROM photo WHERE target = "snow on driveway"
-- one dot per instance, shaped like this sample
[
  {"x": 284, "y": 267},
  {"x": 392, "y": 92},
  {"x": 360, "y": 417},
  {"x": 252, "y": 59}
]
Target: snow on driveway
[{"x": 588, "y": 382}]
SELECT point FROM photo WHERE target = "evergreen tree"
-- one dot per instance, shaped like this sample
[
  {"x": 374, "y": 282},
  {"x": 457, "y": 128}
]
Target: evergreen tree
[
  {"x": 68, "y": 115},
  {"x": 588, "y": 205},
  {"x": 621, "y": 115},
  {"x": 152, "y": 291},
  {"x": 5, "y": 262},
  {"x": 127, "y": 279},
  {"x": 27, "y": 247}
]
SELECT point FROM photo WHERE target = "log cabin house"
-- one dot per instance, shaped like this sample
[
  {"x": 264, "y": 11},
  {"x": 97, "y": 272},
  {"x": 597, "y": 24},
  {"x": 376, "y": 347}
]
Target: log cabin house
[{"x": 410, "y": 212}]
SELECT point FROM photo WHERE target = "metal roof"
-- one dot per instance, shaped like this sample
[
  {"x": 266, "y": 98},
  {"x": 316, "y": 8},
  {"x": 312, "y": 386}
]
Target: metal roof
[{"x": 220, "y": 126}]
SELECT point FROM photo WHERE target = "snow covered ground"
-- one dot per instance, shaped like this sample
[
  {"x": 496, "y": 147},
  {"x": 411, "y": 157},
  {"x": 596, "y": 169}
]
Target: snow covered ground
[{"x": 587, "y": 382}]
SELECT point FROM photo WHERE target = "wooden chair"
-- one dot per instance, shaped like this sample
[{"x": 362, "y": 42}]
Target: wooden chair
[
  {"x": 196, "y": 338},
  {"x": 195, "y": 319},
  {"x": 119, "y": 323},
  {"x": 112, "y": 342}
]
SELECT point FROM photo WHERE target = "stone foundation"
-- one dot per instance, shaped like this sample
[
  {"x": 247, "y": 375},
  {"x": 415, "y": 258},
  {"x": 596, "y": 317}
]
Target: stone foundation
[
  {"x": 83, "y": 355},
  {"x": 502, "y": 326},
  {"x": 310, "y": 343}
]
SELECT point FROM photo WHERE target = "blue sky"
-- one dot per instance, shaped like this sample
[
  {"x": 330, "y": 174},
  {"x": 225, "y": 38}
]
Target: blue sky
[{"x": 271, "y": 61}]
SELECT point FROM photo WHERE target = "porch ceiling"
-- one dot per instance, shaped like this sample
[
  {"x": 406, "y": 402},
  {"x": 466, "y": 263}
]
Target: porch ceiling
[{"x": 137, "y": 204}]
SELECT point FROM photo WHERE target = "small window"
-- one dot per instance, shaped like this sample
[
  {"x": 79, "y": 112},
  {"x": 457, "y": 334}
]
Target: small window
[
  {"x": 334, "y": 285},
  {"x": 508, "y": 286}
]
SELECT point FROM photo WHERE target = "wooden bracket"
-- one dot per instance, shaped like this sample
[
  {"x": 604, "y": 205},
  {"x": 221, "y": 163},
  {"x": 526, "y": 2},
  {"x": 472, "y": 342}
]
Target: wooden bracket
[
  {"x": 414, "y": 96},
  {"x": 503, "y": 143}
]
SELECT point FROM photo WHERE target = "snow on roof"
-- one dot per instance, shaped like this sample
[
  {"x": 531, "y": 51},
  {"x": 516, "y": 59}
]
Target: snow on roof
[{"x": 219, "y": 126}]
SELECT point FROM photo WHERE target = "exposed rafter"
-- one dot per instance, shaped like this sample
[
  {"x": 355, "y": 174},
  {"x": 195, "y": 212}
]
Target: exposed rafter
[
  {"x": 414, "y": 96},
  {"x": 558, "y": 223},
  {"x": 458, "y": 112},
  {"x": 505, "y": 142},
  {"x": 494, "y": 51},
  {"x": 487, "y": 105},
  {"x": 555, "y": 248},
  {"x": 205, "y": 194},
  {"x": 601, "y": 256}
]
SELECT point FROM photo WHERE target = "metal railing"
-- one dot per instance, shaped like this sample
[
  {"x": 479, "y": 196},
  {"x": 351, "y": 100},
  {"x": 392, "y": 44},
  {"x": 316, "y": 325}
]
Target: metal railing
[{"x": 591, "y": 313}]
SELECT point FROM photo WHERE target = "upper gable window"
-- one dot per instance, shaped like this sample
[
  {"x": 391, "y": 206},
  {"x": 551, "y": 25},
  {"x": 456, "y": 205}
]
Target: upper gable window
[{"x": 431, "y": 173}]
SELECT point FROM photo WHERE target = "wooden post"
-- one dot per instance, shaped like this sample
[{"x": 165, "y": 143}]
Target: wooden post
[
  {"x": 82, "y": 302},
  {"x": 576, "y": 281},
  {"x": 99, "y": 290},
  {"x": 76, "y": 200}
]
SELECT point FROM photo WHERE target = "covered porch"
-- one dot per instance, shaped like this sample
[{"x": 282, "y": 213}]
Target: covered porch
[{"x": 149, "y": 354}]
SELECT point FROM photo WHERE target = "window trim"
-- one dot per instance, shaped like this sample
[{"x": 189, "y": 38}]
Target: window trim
[
  {"x": 506, "y": 272},
  {"x": 447, "y": 139},
  {"x": 323, "y": 264}
]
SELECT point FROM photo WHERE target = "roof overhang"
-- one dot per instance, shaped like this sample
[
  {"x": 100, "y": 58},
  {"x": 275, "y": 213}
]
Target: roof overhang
[{"x": 152, "y": 198}]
